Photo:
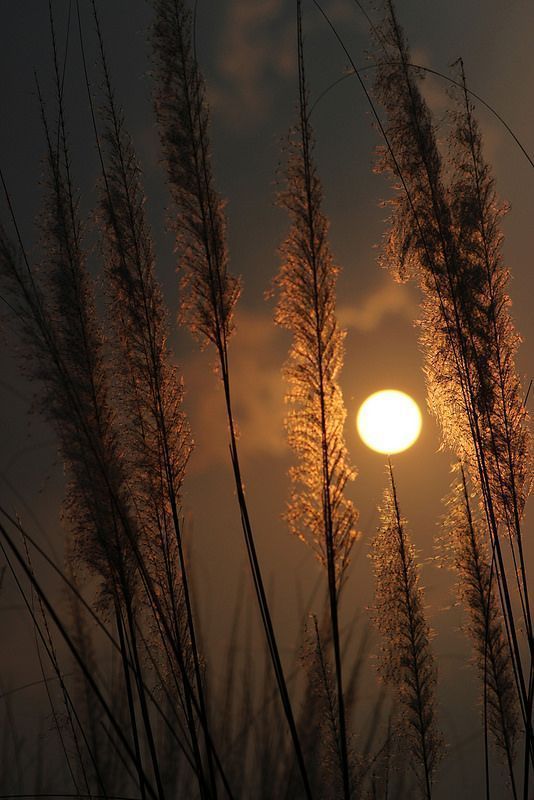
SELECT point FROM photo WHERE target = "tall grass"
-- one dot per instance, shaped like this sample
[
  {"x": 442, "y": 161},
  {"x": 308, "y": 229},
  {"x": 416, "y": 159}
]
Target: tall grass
[
  {"x": 448, "y": 238},
  {"x": 406, "y": 659},
  {"x": 465, "y": 551},
  {"x": 318, "y": 510},
  {"x": 150, "y": 723}
]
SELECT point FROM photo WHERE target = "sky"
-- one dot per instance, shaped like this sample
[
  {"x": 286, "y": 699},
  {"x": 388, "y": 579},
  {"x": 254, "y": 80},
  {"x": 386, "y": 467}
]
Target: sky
[{"x": 247, "y": 51}]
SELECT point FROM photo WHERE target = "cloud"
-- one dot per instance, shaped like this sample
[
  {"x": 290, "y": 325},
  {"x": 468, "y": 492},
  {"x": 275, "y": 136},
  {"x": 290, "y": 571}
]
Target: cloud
[
  {"x": 388, "y": 298},
  {"x": 256, "y": 50},
  {"x": 256, "y": 46}
]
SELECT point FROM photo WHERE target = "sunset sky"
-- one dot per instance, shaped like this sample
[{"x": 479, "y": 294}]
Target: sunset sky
[{"x": 247, "y": 51}]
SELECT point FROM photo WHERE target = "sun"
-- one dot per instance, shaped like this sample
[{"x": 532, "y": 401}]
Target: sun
[{"x": 389, "y": 421}]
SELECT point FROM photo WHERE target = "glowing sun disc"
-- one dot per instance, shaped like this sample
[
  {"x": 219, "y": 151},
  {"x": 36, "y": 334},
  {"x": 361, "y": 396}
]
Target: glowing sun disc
[{"x": 389, "y": 421}]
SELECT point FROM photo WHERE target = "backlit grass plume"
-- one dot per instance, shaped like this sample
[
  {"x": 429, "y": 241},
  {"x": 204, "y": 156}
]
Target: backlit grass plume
[
  {"x": 154, "y": 430},
  {"x": 155, "y": 434},
  {"x": 321, "y": 711},
  {"x": 489, "y": 337},
  {"x": 63, "y": 348},
  {"x": 406, "y": 660},
  {"x": 445, "y": 233},
  {"x": 318, "y": 510},
  {"x": 208, "y": 290},
  {"x": 477, "y": 216},
  {"x": 97, "y": 503},
  {"x": 421, "y": 241},
  {"x": 465, "y": 551}
]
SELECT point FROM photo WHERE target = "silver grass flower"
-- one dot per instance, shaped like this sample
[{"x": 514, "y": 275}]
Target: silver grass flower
[
  {"x": 154, "y": 431},
  {"x": 321, "y": 711},
  {"x": 477, "y": 216},
  {"x": 448, "y": 238},
  {"x": 406, "y": 660},
  {"x": 465, "y": 552},
  {"x": 319, "y": 512},
  {"x": 208, "y": 290},
  {"x": 63, "y": 345}
]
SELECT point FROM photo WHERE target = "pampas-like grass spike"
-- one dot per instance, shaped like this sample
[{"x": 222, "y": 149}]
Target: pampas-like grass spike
[
  {"x": 406, "y": 659},
  {"x": 208, "y": 291},
  {"x": 97, "y": 499},
  {"x": 477, "y": 216},
  {"x": 318, "y": 511},
  {"x": 154, "y": 431},
  {"x": 448, "y": 239},
  {"x": 465, "y": 551},
  {"x": 321, "y": 711},
  {"x": 63, "y": 348}
]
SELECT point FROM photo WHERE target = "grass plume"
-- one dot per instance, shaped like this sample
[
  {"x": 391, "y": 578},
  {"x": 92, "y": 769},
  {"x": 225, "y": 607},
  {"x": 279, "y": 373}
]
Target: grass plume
[
  {"x": 465, "y": 552},
  {"x": 319, "y": 511},
  {"x": 406, "y": 660},
  {"x": 445, "y": 234},
  {"x": 208, "y": 290}
]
